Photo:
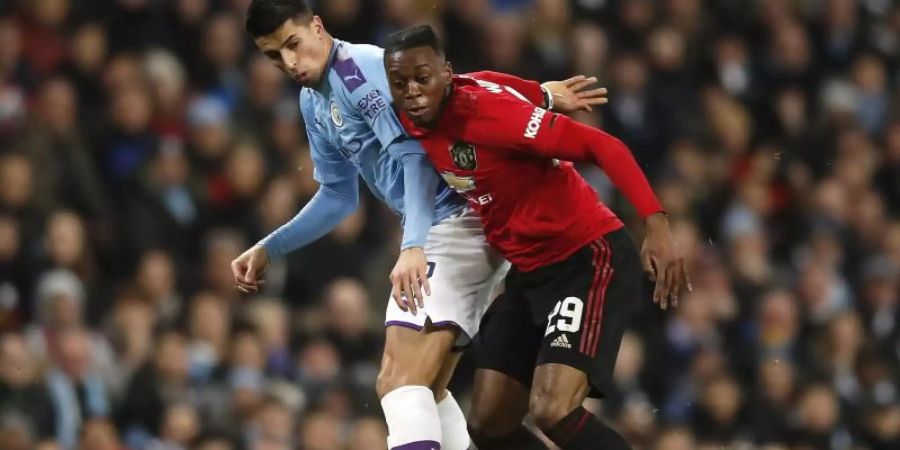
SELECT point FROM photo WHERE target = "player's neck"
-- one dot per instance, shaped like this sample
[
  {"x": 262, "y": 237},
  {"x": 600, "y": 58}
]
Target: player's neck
[
  {"x": 329, "y": 42},
  {"x": 437, "y": 118}
]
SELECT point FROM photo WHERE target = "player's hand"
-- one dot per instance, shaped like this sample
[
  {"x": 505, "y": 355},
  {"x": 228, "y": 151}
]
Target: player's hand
[
  {"x": 662, "y": 260},
  {"x": 248, "y": 269},
  {"x": 572, "y": 95},
  {"x": 409, "y": 279}
]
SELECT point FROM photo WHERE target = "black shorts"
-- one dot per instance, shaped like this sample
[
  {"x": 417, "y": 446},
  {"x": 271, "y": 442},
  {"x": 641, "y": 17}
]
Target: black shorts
[{"x": 573, "y": 312}]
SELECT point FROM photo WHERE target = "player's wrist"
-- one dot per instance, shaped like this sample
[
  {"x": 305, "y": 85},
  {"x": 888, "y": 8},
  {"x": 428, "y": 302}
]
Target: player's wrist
[
  {"x": 262, "y": 250},
  {"x": 548, "y": 98},
  {"x": 657, "y": 219}
]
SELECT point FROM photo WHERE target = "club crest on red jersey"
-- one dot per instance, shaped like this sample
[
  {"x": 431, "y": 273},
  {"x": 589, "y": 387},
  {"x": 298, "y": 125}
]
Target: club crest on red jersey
[{"x": 463, "y": 154}]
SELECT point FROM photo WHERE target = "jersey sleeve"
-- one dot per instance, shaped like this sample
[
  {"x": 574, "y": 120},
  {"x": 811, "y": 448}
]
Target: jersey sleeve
[
  {"x": 528, "y": 90},
  {"x": 363, "y": 93},
  {"x": 337, "y": 197},
  {"x": 509, "y": 124}
]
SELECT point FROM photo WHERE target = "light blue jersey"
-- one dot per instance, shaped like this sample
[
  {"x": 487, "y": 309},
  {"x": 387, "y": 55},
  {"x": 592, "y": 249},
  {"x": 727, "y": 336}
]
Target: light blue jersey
[{"x": 353, "y": 132}]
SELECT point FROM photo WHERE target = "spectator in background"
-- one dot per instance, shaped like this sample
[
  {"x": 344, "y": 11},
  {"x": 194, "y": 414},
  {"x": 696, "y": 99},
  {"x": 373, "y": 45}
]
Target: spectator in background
[
  {"x": 15, "y": 433},
  {"x": 209, "y": 324},
  {"x": 273, "y": 425},
  {"x": 130, "y": 331},
  {"x": 17, "y": 192},
  {"x": 60, "y": 306},
  {"x": 369, "y": 434},
  {"x": 15, "y": 276},
  {"x": 168, "y": 83},
  {"x": 78, "y": 393},
  {"x": 156, "y": 283},
  {"x": 273, "y": 322},
  {"x": 348, "y": 315},
  {"x": 222, "y": 246},
  {"x": 818, "y": 413},
  {"x": 55, "y": 144},
  {"x": 320, "y": 431},
  {"x": 162, "y": 380},
  {"x": 265, "y": 89},
  {"x": 67, "y": 248},
  {"x": 319, "y": 369},
  {"x": 180, "y": 426},
  {"x": 222, "y": 46},
  {"x": 130, "y": 142},
  {"x": 99, "y": 434},
  {"x": 22, "y": 393},
  {"x": 88, "y": 50},
  {"x": 775, "y": 393}
]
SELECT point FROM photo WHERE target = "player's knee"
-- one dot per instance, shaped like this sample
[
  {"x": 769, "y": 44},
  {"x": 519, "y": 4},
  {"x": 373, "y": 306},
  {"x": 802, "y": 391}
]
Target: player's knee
[
  {"x": 549, "y": 406},
  {"x": 382, "y": 384},
  {"x": 490, "y": 425},
  {"x": 484, "y": 431},
  {"x": 478, "y": 431},
  {"x": 395, "y": 376}
]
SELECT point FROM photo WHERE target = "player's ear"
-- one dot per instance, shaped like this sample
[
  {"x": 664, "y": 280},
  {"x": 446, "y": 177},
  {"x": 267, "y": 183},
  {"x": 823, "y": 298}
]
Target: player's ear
[
  {"x": 315, "y": 24},
  {"x": 448, "y": 70}
]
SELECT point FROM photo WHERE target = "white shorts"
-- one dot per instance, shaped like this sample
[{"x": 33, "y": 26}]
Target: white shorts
[{"x": 464, "y": 272}]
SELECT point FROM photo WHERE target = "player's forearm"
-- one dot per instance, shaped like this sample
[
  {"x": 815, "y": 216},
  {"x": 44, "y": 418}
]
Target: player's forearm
[
  {"x": 420, "y": 182},
  {"x": 578, "y": 142},
  {"x": 321, "y": 215}
]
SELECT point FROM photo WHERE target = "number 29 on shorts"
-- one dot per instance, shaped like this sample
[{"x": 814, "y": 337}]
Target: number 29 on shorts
[{"x": 569, "y": 309}]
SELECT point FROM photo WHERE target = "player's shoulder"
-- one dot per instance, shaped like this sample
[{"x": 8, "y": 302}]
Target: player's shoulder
[
  {"x": 477, "y": 99},
  {"x": 365, "y": 52},
  {"x": 356, "y": 67}
]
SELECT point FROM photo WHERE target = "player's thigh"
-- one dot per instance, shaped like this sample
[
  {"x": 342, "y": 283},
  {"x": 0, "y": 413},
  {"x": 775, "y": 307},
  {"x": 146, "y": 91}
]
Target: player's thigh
[
  {"x": 445, "y": 374},
  {"x": 505, "y": 353},
  {"x": 463, "y": 270},
  {"x": 508, "y": 340},
  {"x": 414, "y": 356},
  {"x": 591, "y": 301},
  {"x": 499, "y": 404},
  {"x": 556, "y": 391}
]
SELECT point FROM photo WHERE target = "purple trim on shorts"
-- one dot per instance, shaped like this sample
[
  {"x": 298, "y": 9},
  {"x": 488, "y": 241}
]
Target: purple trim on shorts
[
  {"x": 419, "y": 445},
  {"x": 398, "y": 323},
  {"x": 442, "y": 324}
]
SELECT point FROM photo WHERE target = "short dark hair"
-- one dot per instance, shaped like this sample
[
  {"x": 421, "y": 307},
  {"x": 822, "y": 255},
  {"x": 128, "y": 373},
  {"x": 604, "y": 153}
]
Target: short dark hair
[
  {"x": 266, "y": 16},
  {"x": 412, "y": 37}
]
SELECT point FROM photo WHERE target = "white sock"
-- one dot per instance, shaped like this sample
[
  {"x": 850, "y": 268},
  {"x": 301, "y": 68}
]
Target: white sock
[
  {"x": 412, "y": 419},
  {"x": 453, "y": 424}
]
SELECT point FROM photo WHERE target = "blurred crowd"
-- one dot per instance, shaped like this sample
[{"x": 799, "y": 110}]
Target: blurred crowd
[{"x": 145, "y": 143}]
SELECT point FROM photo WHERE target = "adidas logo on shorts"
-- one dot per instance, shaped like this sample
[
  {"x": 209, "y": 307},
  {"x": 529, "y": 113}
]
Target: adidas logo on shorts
[{"x": 561, "y": 341}]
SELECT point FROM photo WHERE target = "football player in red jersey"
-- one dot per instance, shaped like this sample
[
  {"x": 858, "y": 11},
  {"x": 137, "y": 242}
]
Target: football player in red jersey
[{"x": 552, "y": 338}]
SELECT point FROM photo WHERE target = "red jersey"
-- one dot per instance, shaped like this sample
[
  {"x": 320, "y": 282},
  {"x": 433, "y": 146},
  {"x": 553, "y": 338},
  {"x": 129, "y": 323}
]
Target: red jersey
[{"x": 500, "y": 152}]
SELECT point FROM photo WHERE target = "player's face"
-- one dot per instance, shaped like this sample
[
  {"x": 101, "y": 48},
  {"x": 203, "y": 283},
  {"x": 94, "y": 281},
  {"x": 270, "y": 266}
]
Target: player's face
[
  {"x": 419, "y": 78},
  {"x": 299, "y": 48}
]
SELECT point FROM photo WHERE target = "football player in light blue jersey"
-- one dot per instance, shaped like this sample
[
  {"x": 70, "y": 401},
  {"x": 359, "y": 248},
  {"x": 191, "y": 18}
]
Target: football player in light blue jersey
[{"x": 446, "y": 271}]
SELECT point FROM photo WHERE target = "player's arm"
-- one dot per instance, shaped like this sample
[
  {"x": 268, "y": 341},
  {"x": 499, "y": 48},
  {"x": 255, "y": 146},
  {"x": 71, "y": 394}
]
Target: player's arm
[
  {"x": 566, "y": 96},
  {"x": 420, "y": 181},
  {"x": 511, "y": 124},
  {"x": 336, "y": 198},
  {"x": 419, "y": 177}
]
